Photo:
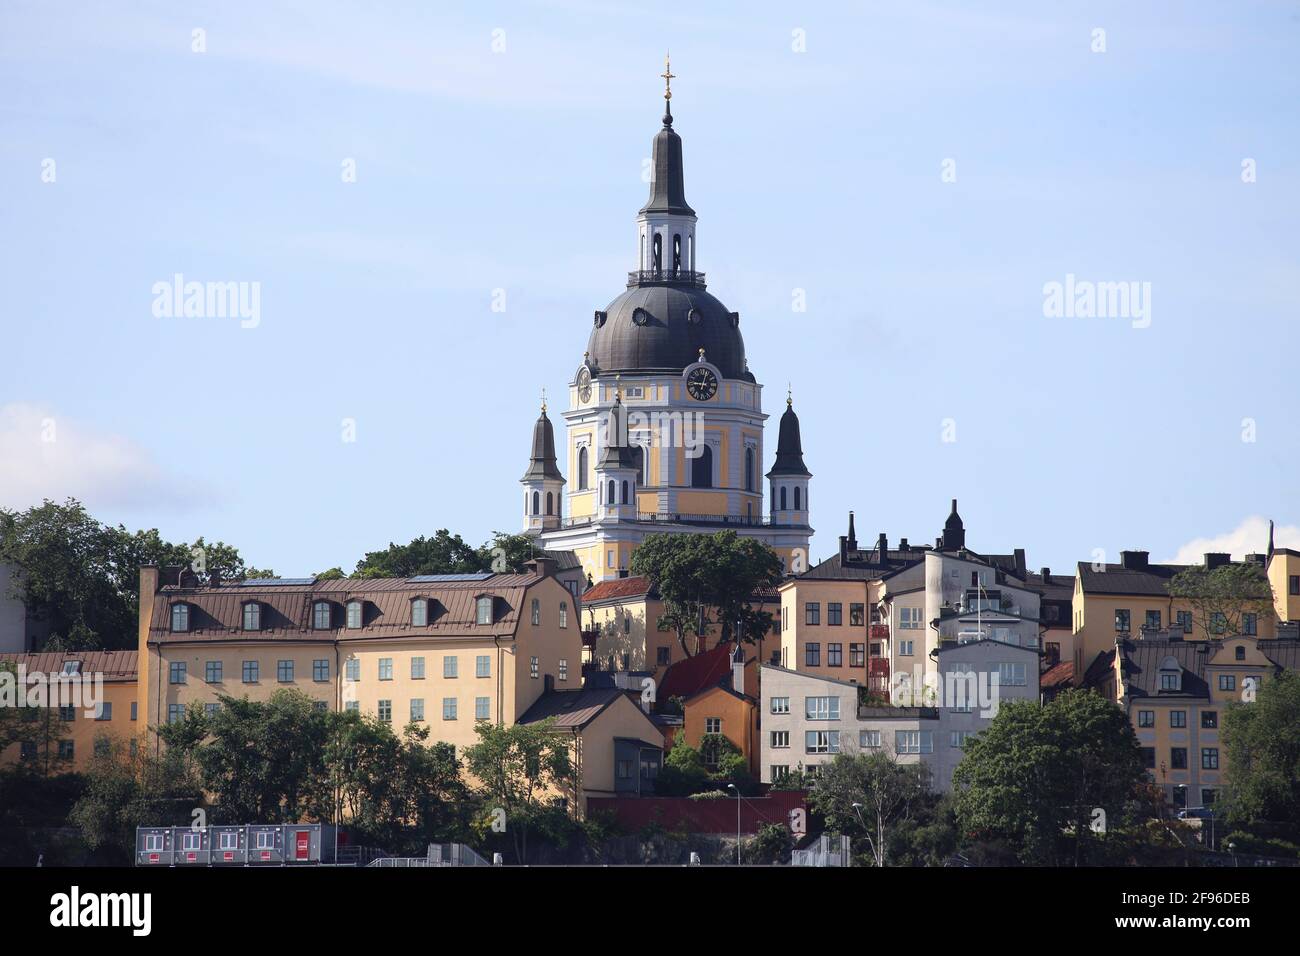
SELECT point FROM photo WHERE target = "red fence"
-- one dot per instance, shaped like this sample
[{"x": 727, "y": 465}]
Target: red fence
[{"x": 700, "y": 816}]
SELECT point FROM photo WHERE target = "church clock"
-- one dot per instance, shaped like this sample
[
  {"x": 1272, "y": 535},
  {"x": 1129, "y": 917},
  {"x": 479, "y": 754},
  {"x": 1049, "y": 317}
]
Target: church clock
[
  {"x": 584, "y": 385},
  {"x": 702, "y": 384}
]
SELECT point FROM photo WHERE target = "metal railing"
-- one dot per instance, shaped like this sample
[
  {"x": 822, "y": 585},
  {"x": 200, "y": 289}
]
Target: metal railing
[
  {"x": 677, "y": 517},
  {"x": 664, "y": 277}
]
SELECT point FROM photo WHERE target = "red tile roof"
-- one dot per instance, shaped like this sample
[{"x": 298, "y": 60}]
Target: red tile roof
[
  {"x": 616, "y": 589},
  {"x": 1059, "y": 675},
  {"x": 687, "y": 678}
]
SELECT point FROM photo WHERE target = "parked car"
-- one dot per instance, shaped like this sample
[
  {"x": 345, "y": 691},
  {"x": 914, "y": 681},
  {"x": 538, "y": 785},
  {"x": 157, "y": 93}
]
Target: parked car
[{"x": 1196, "y": 813}]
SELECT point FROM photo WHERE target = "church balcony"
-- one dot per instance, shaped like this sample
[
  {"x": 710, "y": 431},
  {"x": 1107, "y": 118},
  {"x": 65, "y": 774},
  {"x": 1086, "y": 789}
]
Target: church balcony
[
  {"x": 665, "y": 277},
  {"x": 677, "y": 517}
]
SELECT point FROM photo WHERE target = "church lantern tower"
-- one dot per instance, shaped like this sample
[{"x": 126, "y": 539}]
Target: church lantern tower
[{"x": 543, "y": 483}]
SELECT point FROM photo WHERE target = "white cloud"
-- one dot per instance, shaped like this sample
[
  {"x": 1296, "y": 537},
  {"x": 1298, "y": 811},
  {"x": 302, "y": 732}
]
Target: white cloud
[
  {"x": 49, "y": 456},
  {"x": 1249, "y": 537}
]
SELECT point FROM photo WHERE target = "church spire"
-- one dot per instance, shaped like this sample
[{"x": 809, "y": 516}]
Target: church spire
[{"x": 667, "y": 186}]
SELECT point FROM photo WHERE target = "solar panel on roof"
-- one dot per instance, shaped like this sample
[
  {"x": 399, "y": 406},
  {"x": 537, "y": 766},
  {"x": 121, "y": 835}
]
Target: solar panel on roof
[
  {"x": 274, "y": 582},
  {"x": 436, "y": 578}
]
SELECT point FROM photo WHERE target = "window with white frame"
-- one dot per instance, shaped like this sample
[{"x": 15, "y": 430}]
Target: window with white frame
[
  {"x": 822, "y": 708},
  {"x": 713, "y": 725},
  {"x": 780, "y": 739},
  {"x": 483, "y": 666},
  {"x": 822, "y": 741},
  {"x": 909, "y": 618},
  {"x": 1011, "y": 675},
  {"x": 869, "y": 739},
  {"x": 450, "y": 666},
  {"x": 780, "y": 705},
  {"x": 483, "y": 610},
  {"x": 914, "y": 741}
]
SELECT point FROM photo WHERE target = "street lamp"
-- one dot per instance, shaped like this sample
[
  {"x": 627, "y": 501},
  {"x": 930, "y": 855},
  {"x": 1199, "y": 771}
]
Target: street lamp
[{"x": 732, "y": 786}]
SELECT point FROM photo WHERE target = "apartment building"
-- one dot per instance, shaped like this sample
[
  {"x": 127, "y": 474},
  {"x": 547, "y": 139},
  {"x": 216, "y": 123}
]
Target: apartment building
[
  {"x": 1176, "y": 692},
  {"x": 807, "y": 719},
  {"x": 1120, "y": 601}
]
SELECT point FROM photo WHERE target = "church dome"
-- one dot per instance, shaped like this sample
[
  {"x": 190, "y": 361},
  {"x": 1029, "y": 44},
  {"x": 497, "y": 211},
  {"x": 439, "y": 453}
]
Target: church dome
[{"x": 662, "y": 327}]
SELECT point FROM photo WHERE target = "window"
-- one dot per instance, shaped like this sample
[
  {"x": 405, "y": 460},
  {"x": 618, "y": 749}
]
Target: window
[
  {"x": 582, "y": 468},
  {"x": 1149, "y": 758},
  {"x": 1169, "y": 681},
  {"x": 1227, "y": 682},
  {"x": 284, "y": 672},
  {"x": 352, "y": 668},
  {"x": 662, "y": 656},
  {"x": 352, "y": 706},
  {"x": 780, "y": 739},
  {"x": 625, "y": 770},
  {"x": 914, "y": 741},
  {"x": 417, "y": 668},
  {"x": 533, "y": 669},
  {"x": 869, "y": 739},
  {"x": 780, "y": 705},
  {"x": 713, "y": 725},
  {"x": 1177, "y": 718},
  {"x": 449, "y": 708},
  {"x": 537, "y": 612},
  {"x": 320, "y": 616},
  {"x": 1011, "y": 675},
  {"x": 749, "y": 469},
  {"x": 783, "y": 497},
  {"x": 104, "y": 711},
  {"x": 1239, "y": 653},
  {"x": 812, "y": 652},
  {"x": 822, "y": 741},
  {"x": 134, "y": 705},
  {"x": 779, "y": 772},
  {"x": 905, "y": 648},
  {"x": 1146, "y": 718},
  {"x": 386, "y": 711},
  {"x": 252, "y": 616},
  {"x": 834, "y": 655},
  {"x": 175, "y": 712},
  {"x": 564, "y": 668},
  {"x": 834, "y": 613},
  {"x": 1209, "y": 720},
  {"x": 1183, "y": 619},
  {"x": 1153, "y": 620},
  {"x": 176, "y": 673},
  {"x": 796, "y": 498},
  {"x": 320, "y": 670},
  {"x": 1178, "y": 758},
  {"x": 250, "y": 672},
  {"x": 856, "y": 616},
  {"x": 450, "y": 666},
  {"x": 1293, "y": 584},
  {"x": 702, "y": 468},
  {"x": 1209, "y": 758},
  {"x": 265, "y": 839},
  {"x": 354, "y": 614},
  {"x": 564, "y": 614},
  {"x": 909, "y": 618},
  {"x": 812, "y": 612},
  {"x": 385, "y": 668},
  {"x": 180, "y": 617},
  {"x": 417, "y": 708},
  {"x": 211, "y": 710},
  {"x": 857, "y": 655},
  {"x": 1121, "y": 619},
  {"x": 482, "y": 708},
  {"x": 153, "y": 842},
  {"x": 419, "y": 612},
  {"x": 212, "y": 672},
  {"x": 66, "y": 750},
  {"x": 1249, "y": 625},
  {"x": 957, "y": 738},
  {"x": 785, "y": 621},
  {"x": 484, "y": 610},
  {"x": 822, "y": 708},
  {"x": 229, "y": 840},
  {"x": 1218, "y": 622},
  {"x": 482, "y": 666},
  {"x": 1207, "y": 797}
]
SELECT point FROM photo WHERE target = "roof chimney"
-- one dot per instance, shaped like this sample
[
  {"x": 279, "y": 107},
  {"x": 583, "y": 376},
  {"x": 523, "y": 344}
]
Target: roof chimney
[
  {"x": 543, "y": 566},
  {"x": 1046, "y": 574},
  {"x": 1133, "y": 560},
  {"x": 853, "y": 534},
  {"x": 1020, "y": 561},
  {"x": 882, "y": 545},
  {"x": 902, "y": 545},
  {"x": 1216, "y": 559},
  {"x": 738, "y": 669}
]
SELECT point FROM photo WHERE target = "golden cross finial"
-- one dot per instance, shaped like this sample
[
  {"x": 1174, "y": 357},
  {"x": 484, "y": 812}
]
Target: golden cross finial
[
  {"x": 668, "y": 76},
  {"x": 789, "y": 395},
  {"x": 543, "y": 400}
]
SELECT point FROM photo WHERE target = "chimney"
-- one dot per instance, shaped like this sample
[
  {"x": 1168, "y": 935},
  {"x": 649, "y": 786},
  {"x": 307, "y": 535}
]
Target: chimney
[
  {"x": 738, "y": 669},
  {"x": 1216, "y": 559},
  {"x": 214, "y": 578},
  {"x": 1045, "y": 574},
  {"x": 548, "y": 683},
  {"x": 1020, "y": 561},
  {"x": 543, "y": 566},
  {"x": 882, "y": 545},
  {"x": 1133, "y": 560},
  {"x": 1260, "y": 559},
  {"x": 853, "y": 534},
  {"x": 902, "y": 545}
]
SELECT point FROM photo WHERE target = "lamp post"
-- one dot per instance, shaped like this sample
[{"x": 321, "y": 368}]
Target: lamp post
[
  {"x": 732, "y": 786},
  {"x": 857, "y": 809}
]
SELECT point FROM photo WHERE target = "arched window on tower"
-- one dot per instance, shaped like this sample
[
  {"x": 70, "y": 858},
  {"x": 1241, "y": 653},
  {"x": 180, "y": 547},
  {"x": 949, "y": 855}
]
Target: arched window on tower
[
  {"x": 625, "y": 492},
  {"x": 611, "y": 498},
  {"x": 658, "y": 246},
  {"x": 638, "y": 458},
  {"x": 783, "y": 497},
  {"x": 749, "y": 469},
  {"x": 796, "y": 498},
  {"x": 677, "y": 253},
  {"x": 537, "y": 508},
  {"x": 582, "y": 468},
  {"x": 702, "y": 469},
  {"x": 550, "y": 503}
]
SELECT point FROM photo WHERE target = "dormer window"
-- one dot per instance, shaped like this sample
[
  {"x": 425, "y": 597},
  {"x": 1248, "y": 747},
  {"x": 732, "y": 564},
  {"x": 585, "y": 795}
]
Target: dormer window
[
  {"x": 71, "y": 668},
  {"x": 1171, "y": 674},
  {"x": 320, "y": 616},
  {"x": 253, "y": 616},
  {"x": 180, "y": 617},
  {"x": 1240, "y": 653},
  {"x": 419, "y": 612},
  {"x": 483, "y": 609},
  {"x": 354, "y": 614}
]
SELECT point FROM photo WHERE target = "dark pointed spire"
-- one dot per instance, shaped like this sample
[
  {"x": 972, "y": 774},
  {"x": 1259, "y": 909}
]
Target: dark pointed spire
[
  {"x": 667, "y": 183},
  {"x": 954, "y": 531},
  {"x": 617, "y": 453},
  {"x": 789, "y": 448},
  {"x": 543, "y": 458}
]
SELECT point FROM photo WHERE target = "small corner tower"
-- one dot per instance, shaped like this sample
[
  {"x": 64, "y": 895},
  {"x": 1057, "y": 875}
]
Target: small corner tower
[
  {"x": 789, "y": 476},
  {"x": 616, "y": 472},
  {"x": 543, "y": 483}
]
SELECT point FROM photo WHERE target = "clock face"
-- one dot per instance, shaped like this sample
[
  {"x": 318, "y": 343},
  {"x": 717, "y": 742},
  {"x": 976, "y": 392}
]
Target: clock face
[
  {"x": 702, "y": 384},
  {"x": 584, "y": 384}
]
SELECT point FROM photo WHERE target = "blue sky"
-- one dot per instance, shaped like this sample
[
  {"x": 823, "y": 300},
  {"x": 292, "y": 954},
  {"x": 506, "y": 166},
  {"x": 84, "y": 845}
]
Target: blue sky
[{"x": 521, "y": 170}]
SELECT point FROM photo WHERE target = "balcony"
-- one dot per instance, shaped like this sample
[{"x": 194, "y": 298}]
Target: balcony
[
  {"x": 665, "y": 277},
  {"x": 880, "y": 632},
  {"x": 589, "y": 637},
  {"x": 720, "y": 521}
]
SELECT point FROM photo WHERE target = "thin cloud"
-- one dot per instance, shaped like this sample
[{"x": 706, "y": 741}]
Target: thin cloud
[
  {"x": 1249, "y": 537},
  {"x": 49, "y": 456}
]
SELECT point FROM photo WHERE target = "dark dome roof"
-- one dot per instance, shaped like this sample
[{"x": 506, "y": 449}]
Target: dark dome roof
[
  {"x": 789, "y": 448},
  {"x": 542, "y": 464},
  {"x": 662, "y": 328}
]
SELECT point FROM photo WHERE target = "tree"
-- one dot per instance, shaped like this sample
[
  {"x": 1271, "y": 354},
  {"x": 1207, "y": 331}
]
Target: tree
[
  {"x": 868, "y": 794},
  {"x": 447, "y": 553},
  {"x": 771, "y": 844},
  {"x": 1036, "y": 775},
  {"x": 521, "y": 770},
  {"x": 697, "y": 576},
  {"x": 1221, "y": 598},
  {"x": 1262, "y": 740}
]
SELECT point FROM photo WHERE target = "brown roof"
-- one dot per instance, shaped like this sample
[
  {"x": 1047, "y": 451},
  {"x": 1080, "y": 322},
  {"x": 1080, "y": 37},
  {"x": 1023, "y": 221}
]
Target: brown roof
[
  {"x": 616, "y": 589},
  {"x": 113, "y": 665},
  {"x": 572, "y": 709},
  {"x": 1059, "y": 675},
  {"x": 216, "y": 613}
]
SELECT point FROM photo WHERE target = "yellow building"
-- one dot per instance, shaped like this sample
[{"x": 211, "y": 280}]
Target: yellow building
[
  {"x": 1115, "y": 601},
  {"x": 665, "y": 418},
  {"x": 1176, "y": 692},
  {"x": 1284, "y": 576},
  {"x": 68, "y": 735}
]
